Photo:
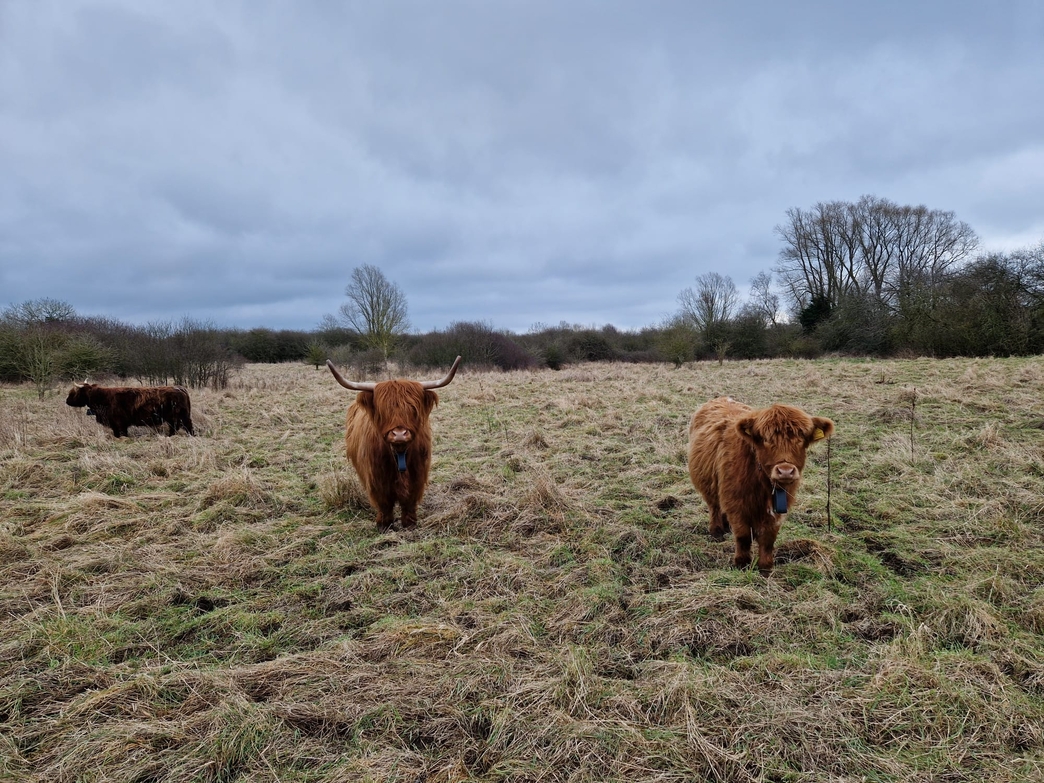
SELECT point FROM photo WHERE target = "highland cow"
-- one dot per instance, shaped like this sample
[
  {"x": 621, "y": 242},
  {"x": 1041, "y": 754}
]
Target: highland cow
[
  {"x": 388, "y": 441},
  {"x": 120, "y": 407},
  {"x": 747, "y": 465}
]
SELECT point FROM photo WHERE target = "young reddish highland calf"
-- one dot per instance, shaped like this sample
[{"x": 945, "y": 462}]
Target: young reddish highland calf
[{"x": 747, "y": 465}]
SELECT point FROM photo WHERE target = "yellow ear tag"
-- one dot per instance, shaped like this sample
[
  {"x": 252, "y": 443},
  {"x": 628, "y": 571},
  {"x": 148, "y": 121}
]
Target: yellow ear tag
[{"x": 818, "y": 434}]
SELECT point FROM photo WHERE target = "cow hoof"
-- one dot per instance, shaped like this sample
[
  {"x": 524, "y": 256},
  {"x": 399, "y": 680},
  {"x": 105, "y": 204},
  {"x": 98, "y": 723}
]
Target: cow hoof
[{"x": 717, "y": 535}]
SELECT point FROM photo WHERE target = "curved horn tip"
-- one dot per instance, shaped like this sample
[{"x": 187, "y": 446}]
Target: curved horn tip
[
  {"x": 352, "y": 385},
  {"x": 448, "y": 377}
]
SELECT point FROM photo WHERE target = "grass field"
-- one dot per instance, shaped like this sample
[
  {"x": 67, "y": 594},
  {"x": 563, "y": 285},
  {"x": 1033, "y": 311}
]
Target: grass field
[{"x": 220, "y": 608}]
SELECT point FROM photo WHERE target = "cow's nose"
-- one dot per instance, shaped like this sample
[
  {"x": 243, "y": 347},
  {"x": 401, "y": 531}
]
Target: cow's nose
[
  {"x": 400, "y": 435},
  {"x": 786, "y": 472}
]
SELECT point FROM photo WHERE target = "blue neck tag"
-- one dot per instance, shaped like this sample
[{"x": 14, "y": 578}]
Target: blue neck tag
[
  {"x": 400, "y": 460},
  {"x": 779, "y": 500}
]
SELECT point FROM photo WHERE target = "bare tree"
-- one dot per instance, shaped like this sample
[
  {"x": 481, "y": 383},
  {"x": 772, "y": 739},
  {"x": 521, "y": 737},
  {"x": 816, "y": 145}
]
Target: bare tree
[
  {"x": 376, "y": 309},
  {"x": 808, "y": 264},
  {"x": 763, "y": 303},
  {"x": 39, "y": 311},
  {"x": 898, "y": 255},
  {"x": 711, "y": 303}
]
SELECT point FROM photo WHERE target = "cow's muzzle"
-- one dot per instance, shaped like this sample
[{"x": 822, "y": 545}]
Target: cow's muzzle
[
  {"x": 784, "y": 473},
  {"x": 399, "y": 438}
]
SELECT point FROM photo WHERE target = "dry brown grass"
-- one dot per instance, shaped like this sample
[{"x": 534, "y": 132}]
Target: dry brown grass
[{"x": 220, "y": 608}]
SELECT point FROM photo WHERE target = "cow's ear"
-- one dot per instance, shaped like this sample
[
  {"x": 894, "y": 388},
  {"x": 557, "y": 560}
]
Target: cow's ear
[
  {"x": 748, "y": 429},
  {"x": 821, "y": 428},
  {"x": 365, "y": 400},
  {"x": 431, "y": 399}
]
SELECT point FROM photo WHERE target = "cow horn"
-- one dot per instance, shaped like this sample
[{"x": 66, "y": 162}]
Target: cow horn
[
  {"x": 445, "y": 381},
  {"x": 371, "y": 385},
  {"x": 353, "y": 385}
]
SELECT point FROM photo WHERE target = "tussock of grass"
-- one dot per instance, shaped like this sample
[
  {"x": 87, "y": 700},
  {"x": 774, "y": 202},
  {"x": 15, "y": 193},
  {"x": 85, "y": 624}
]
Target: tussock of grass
[{"x": 221, "y": 608}]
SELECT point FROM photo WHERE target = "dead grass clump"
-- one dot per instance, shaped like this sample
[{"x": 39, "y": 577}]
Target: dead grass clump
[
  {"x": 14, "y": 423},
  {"x": 1032, "y": 616},
  {"x": 717, "y": 624},
  {"x": 463, "y": 483},
  {"x": 535, "y": 440},
  {"x": 954, "y": 702},
  {"x": 967, "y": 623},
  {"x": 93, "y": 512},
  {"x": 241, "y": 489},
  {"x": 546, "y": 501},
  {"x": 804, "y": 549},
  {"x": 23, "y": 474},
  {"x": 341, "y": 490},
  {"x": 12, "y": 550},
  {"x": 892, "y": 414},
  {"x": 413, "y": 638},
  {"x": 989, "y": 437},
  {"x": 476, "y": 514}
]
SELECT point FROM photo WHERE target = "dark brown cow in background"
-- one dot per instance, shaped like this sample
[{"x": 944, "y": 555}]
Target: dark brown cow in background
[
  {"x": 747, "y": 465},
  {"x": 120, "y": 407},
  {"x": 388, "y": 440}
]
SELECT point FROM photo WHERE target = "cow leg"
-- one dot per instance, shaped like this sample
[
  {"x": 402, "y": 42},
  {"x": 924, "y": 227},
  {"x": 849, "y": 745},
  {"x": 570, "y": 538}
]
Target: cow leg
[
  {"x": 385, "y": 519},
  {"x": 743, "y": 542},
  {"x": 767, "y": 547},
  {"x": 409, "y": 515},
  {"x": 718, "y": 523},
  {"x": 385, "y": 505}
]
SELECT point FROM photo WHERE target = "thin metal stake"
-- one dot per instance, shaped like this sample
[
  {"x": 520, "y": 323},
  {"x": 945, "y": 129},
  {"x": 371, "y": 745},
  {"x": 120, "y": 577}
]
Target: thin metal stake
[
  {"x": 913, "y": 417},
  {"x": 830, "y": 518}
]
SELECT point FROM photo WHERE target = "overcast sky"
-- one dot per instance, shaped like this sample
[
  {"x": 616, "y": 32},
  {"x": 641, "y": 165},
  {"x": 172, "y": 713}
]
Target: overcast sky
[{"x": 509, "y": 161}]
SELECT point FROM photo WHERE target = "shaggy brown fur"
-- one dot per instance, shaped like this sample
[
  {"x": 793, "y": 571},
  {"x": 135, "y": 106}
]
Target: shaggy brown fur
[
  {"x": 120, "y": 407},
  {"x": 737, "y": 456},
  {"x": 391, "y": 419}
]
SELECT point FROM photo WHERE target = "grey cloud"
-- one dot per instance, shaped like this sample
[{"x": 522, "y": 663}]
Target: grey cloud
[{"x": 513, "y": 162}]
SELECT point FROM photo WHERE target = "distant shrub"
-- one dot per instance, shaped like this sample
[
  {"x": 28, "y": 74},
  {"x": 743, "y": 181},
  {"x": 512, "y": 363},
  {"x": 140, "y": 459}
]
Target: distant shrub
[
  {"x": 477, "y": 343},
  {"x": 554, "y": 356},
  {"x": 83, "y": 356},
  {"x": 365, "y": 364},
  {"x": 677, "y": 341},
  {"x": 316, "y": 354},
  {"x": 588, "y": 345},
  {"x": 268, "y": 346}
]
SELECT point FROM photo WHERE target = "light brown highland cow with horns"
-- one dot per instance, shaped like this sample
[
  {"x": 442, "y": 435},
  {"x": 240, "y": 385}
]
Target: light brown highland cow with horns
[{"x": 388, "y": 440}]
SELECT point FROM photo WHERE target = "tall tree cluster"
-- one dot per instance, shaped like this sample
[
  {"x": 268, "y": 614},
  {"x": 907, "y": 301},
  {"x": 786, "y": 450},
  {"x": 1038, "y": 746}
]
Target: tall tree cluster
[{"x": 888, "y": 260}]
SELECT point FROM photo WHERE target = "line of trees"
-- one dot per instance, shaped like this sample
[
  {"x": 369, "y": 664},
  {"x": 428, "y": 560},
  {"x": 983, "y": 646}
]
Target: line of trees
[
  {"x": 864, "y": 278},
  {"x": 44, "y": 341}
]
